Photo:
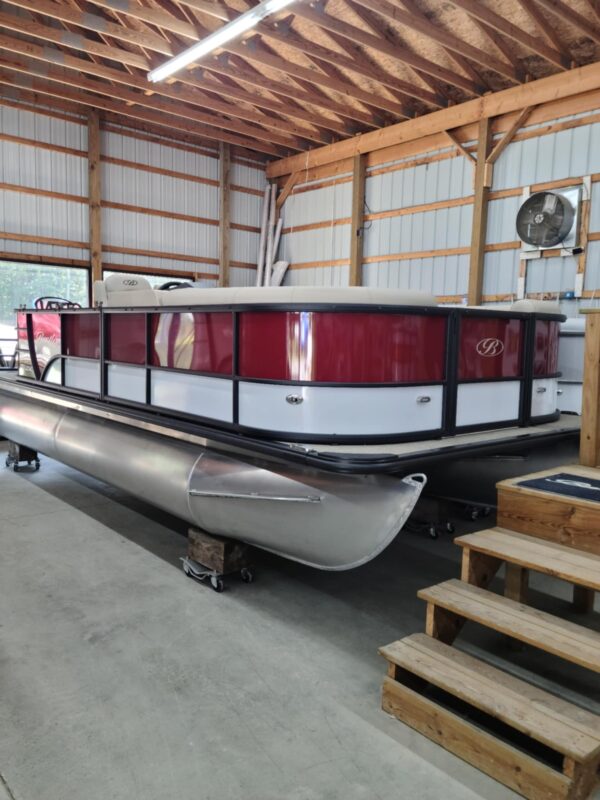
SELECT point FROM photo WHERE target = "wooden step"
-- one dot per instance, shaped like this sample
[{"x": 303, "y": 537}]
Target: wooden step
[
  {"x": 453, "y": 601},
  {"x": 569, "y": 521},
  {"x": 418, "y": 661},
  {"x": 485, "y": 551}
]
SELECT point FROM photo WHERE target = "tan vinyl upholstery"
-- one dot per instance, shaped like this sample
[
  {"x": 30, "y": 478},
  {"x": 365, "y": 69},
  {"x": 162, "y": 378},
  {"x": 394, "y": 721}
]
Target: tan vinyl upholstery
[{"x": 123, "y": 290}]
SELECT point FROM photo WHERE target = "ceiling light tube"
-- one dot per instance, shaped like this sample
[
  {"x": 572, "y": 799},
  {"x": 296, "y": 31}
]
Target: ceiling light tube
[{"x": 232, "y": 30}]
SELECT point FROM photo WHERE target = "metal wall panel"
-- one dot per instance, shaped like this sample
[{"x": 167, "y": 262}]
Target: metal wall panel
[
  {"x": 36, "y": 168},
  {"x": 567, "y": 153},
  {"x": 319, "y": 205},
  {"x": 315, "y": 276},
  {"x": 161, "y": 192},
  {"x": 120, "y": 145},
  {"x": 430, "y": 230},
  {"x": 427, "y": 183},
  {"x": 441, "y": 275},
  {"x": 42, "y": 128},
  {"x": 323, "y": 244},
  {"x": 43, "y": 216},
  {"x": 551, "y": 275},
  {"x": 501, "y": 272},
  {"x": 502, "y": 215},
  {"x": 243, "y": 246},
  {"x": 242, "y": 277},
  {"x": 592, "y": 270},
  {"x": 43, "y": 250},
  {"x": 158, "y": 263}
]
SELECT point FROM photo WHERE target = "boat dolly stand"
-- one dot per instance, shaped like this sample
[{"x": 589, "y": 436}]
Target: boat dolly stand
[
  {"x": 212, "y": 558},
  {"x": 18, "y": 454}
]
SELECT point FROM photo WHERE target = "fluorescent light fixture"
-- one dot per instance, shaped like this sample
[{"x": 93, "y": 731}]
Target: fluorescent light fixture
[{"x": 232, "y": 30}]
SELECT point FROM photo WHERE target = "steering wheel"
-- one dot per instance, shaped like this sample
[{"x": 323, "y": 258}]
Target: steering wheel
[
  {"x": 170, "y": 285},
  {"x": 54, "y": 303}
]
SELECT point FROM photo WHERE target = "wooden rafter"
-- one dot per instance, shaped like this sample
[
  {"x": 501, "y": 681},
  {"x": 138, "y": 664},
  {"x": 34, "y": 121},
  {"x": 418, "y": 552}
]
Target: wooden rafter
[
  {"x": 379, "y": 45},
  {"x": 37, "y": 81},
  {"x": 439, "y": 35},
  {"x": 280, "y": 89},
  {"x": 481, "y": 12},
  {"x": 570, "y": 15},
  {"x": 179, "y": 94}
]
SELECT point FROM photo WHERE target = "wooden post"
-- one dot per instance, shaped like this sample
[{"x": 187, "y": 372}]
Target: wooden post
[
  {"x": 589, "y": 442},
  {"x": 359, "y": 166},
  {"x": 480, "y": 214},
  {"x": 224, "y": 212},
  {"x": 94, "y": 195}
]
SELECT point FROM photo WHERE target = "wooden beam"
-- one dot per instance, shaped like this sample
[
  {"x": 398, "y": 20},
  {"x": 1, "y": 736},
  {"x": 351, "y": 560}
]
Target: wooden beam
[
  {"x": 285, "y": 192},
  {"x": 356, "y": 65},
  {"x": 95, "y": 195},
  {"x": 481, "y": 12},
  {"x": 169, "y": 115},
  {"x": 589, "y": 443},
  {"x": 179, "y": 95},
  {"x": 448, "y": 40},
  {"x": 384, "y": 47},
  {"x": 480, "y": 213},
  {"x": 224, "y": 212},
  {"x": 467, "y": 153},
  {"x": 359, "y": 169},
  {"x": 555, "y": 87},
  {"x": 584, "y": 234},
  {"x": 566, "y": 13},
  {"x": 64, "y": 13},
  {"x": 47, "y": 33},
  {"x": 500, "y": 146}
]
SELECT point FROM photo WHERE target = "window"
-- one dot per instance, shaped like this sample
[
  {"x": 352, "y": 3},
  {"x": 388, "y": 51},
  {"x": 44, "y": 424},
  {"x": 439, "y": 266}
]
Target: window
[{"x": 22, "y": 283}]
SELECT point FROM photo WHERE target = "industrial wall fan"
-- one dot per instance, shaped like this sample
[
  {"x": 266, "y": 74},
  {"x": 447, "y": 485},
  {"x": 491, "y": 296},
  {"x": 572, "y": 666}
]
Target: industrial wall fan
[{"x": 550, "y": 219}]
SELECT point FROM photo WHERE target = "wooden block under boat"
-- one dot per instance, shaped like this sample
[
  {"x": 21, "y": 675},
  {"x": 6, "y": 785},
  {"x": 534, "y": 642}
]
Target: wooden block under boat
[{"x": 217, "y": 553}]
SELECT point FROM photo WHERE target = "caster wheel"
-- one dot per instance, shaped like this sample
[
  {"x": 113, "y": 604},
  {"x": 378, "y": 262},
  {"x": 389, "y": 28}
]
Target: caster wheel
[
  {"x": 37, "y": 465},
  {"x": 450, "y": 528},
  {"x": 246, "y": 575},
  {"x": 474, "y": 514},
  {"x": 217, "y": 584},
  {"x": 15, "y": 467},
  {"x": 432, "y": 531},
  {"x": 7, "y": 462},
  {"x": 486, "y": 511},
  {"x": 186, "y": 570}
]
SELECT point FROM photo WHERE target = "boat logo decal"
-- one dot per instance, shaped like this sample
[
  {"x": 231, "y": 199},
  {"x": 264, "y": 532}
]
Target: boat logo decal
[{"x": 489, "y": 347}]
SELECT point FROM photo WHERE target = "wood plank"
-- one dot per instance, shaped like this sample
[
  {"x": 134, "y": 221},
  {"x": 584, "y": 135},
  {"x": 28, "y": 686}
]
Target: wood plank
[
  {"x": 546, "y": 718},
  {"x": 552, "y": 88},
  {"x": 480, "y": 215},
  {"x": 94, "y": 195},
  {"x": 539, "y": 555},
  {"x": 506, "y": 764},
  {"x": 224, "y": 212},
  {"x": 565, "y": 520},
  {"x": 357, "y": 220},
  {"x": 589, "y": 449},
  {"x": 537, "y": 628}
]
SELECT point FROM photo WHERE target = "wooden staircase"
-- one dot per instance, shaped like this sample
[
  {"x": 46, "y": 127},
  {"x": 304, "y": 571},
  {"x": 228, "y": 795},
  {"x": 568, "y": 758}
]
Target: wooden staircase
[{"x": 538, "y": 744}]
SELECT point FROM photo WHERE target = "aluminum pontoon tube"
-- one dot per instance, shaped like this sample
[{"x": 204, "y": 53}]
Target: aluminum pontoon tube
[{"x": 322, "y": 519}]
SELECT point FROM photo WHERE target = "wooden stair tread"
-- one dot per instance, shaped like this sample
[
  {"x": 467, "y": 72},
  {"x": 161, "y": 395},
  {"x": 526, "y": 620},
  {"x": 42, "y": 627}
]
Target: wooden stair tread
[
  {"x": 564, "y": 727},
  {"x": 567, "y": 563},
  {"x": 545, "y": 631}
]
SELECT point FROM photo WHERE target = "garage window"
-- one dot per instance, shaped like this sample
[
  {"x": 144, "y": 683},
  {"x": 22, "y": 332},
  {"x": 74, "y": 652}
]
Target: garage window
[{"x": 21, "y": 283}]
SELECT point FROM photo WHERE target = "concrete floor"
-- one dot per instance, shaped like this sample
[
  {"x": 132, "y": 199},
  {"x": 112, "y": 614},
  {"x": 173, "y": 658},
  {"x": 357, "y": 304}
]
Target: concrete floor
[{"x": 121, "y": 678}]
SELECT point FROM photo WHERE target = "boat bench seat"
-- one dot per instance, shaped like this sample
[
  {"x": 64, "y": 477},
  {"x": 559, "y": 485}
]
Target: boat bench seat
[{"x": 120, "y": 291}]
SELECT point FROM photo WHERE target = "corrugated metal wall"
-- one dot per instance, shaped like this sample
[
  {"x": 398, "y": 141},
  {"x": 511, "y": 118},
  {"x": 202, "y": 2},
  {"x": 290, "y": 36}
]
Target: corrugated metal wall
[
  {"x": 170, "y": 192},
  {"x": 408, "y": 246},
  {"x": 310, "y": 250},
  {"x": 37, "y": 216}
]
